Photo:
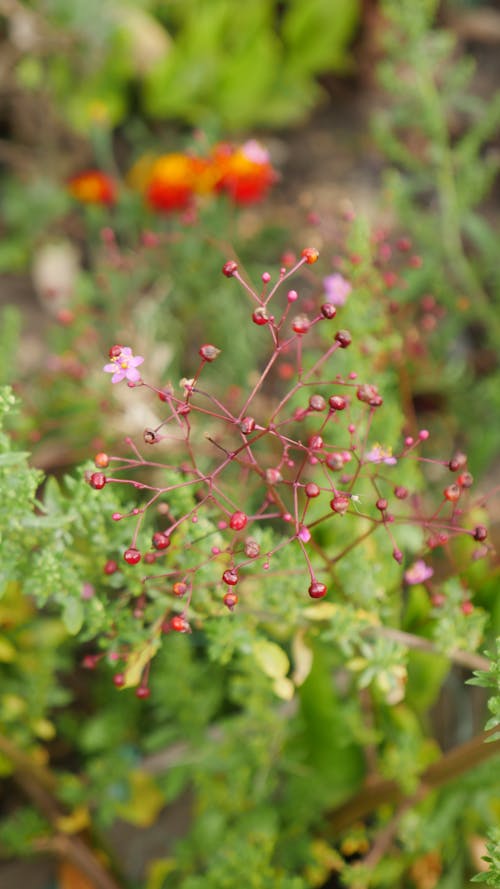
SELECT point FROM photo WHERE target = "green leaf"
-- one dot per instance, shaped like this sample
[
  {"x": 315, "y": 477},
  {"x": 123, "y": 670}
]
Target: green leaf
[{"x": 72, "y": 616}]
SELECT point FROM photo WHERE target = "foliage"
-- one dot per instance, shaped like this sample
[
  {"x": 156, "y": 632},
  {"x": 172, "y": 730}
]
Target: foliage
[
  {"x": 186, "y": 61},
  {"x": 437, "y": 135}
]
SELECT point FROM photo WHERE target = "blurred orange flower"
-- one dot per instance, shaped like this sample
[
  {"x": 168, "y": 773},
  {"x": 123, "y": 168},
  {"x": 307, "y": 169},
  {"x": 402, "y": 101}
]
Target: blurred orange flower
[
  {"x": 245, "y": 173},
  {"x": 93, "y": 187},
  {"x": 171, "y": 182}
]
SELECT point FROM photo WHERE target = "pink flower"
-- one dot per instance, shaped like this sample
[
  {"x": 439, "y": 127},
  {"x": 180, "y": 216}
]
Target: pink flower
[
  {"x": 337, "y": 289},
  {"x": 418, "y": 573},
  {"x": 123, "y": 366},
  {"x": 378, "y": 454}
]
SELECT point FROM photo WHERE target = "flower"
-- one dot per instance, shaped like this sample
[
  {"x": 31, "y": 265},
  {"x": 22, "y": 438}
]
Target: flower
[
  {"x": 93, "y": 187},
  {"x": 245, "y": 173},
  {"x": 171, "y": 183},
  {"x": 418, "y": 573},
  {"x": 337, "y": 289},
  {"x": 123, "y": 366},
  {"x": 378, "y": 454}
]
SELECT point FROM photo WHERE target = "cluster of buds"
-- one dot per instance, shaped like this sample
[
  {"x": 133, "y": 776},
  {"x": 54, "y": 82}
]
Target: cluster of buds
[{"x": 292, "y": 455}]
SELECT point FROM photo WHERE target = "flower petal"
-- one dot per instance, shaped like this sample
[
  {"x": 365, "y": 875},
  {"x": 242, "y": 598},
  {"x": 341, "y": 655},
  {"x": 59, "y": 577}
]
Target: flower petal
[{"x": 132, "y": 374}]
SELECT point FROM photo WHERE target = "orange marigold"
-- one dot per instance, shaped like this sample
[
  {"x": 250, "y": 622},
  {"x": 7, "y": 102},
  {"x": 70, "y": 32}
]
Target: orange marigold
[{"x": 93, "y": 187}]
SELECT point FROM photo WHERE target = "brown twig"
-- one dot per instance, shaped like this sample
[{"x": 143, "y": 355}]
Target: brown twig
[
  {"x": 468, "y": 659},
  {"x": 38, "y": 784},
  {"x": 384, "y": 791}
]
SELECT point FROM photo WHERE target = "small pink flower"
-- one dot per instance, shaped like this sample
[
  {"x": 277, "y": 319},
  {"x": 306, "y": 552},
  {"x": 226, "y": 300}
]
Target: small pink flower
[
  {"x": 304, "y": 534},
  {"x": 378, "y": 454},
  {"x": 418, "y": 573},
  {"x": 337, "y": 289},
  {"x": 123, "y": 366}
]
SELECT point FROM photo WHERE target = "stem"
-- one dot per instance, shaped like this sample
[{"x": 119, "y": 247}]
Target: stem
[
  {"x": 382, "y": 791},
  {"x": 38, "y": 784}
]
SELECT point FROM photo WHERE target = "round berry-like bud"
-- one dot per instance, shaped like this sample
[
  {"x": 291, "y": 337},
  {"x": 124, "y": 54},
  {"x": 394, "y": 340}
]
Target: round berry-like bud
[
  {"x": 142, "y": 692},
  {"x": 312, "y": 489},
  {"x": 101, "y": 460},
  {"x": 230, "y": 268},
  {"x": 401, "y": 492},
  {"x": 465, "y": 480},
  {"x": 328, "y": 311},
  {"x": 457, "y": 462},
  {"x": 438, "y": 600},
  {"x": 178, "y": 624},
  {"x": 98, "y": 480},
  {"x": 368, "y": 394},
  {"x": 90, "y": 661},
  {"x": 230, "y": 600},
  {"x": 315, "y": 442},
  {"x": 317, "y": 590},
  {"x": 160, "y": 540},
  {"x": 317, "y": 403},
  {"x": 149, "y": 558},
  {"x": 230, "y": 577},
  {"x": 179, "y": 588},
  {"x": 335, "y": 462},
  {"x": 247, "y": 425},
  {"x": 403, "y": 244},
  {"x": 260, "y": 316},
  {"x": 273, "y": 476},
  {"x": 452, "y": 493},
  {"x": 337, "y": 402},
  {"x": 301, "y": 324},
  {"x": 266, "y": 277},
  {"x": 208, "y": 352},
  {"x": 344, "y": 338},
  {"x": 115, "y": 351},
  {"x": 119, "y": 679},
  {"x": 292, "y": 296},
  {"x": 110, "y": 567},
  {"x": 397, "y": 555},
  {"x": 132, "y": 556},
  {"x": 238, "y": 521},
  {"x": 480, "y": 533},
  {"x": 340, "y": 503},
  {"x": 310, "y": 254},
  {"x": 252, "y": 548},
  {"x": 467, "y": 607},
  {"x": 424, "y": 434},
  {"x": 381, "y": 504}
]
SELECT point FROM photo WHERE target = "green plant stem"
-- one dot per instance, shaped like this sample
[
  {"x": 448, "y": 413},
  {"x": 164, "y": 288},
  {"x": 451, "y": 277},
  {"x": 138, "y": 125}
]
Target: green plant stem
[{"x": 383, "y": 791}]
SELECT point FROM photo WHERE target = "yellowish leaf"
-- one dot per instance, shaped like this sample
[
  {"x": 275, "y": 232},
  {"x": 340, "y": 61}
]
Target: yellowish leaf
[
  {"x": 7, "y": 651},
  {"x": 140, "y": 657},
  {"x": 76, "y": 821},
  {"x": 272, "y": 660},
  {"x": 158, "y": 870},
  {"x": 302, "y": 657},
  {"x": 44, "y": 729},
  {"x": 321, "y": 611},
  {"x": 145, "y": 801},
  {"x": 284, "y": 688}
]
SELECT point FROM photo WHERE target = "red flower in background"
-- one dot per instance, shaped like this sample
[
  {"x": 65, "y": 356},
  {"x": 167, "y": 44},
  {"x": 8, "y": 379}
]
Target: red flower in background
[
  {"x": 93, "y": 187},
  {"x": 172, "y": 182},
  {"x": 244, "y": 173}
]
